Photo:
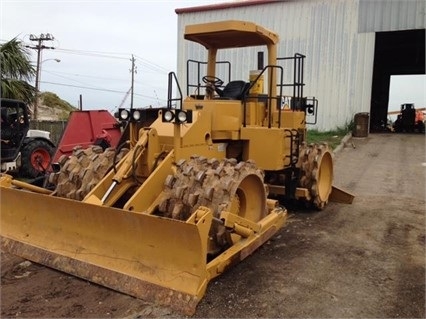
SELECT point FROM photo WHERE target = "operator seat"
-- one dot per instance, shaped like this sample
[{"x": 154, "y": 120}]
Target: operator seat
[{"x": 234, "y": 90}]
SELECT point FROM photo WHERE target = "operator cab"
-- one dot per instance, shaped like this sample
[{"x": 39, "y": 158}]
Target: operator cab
[
  {"x": 234, "y": 90},
  {"x": 14, "y": 127}
]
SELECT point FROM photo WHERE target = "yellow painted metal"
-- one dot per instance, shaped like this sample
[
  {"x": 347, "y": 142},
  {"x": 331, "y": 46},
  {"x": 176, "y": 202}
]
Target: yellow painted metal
[
  {"x": 149, "y": 257},
  {"x": 151, "y": 152},
  {"x": 258, "y": 86},
  {"x": 5, "y": 180},
  {"x": 267, "y": 146},
  {"x": 230, "y": 34},
  {"x": 290, "y": 119},
  {"x": 145, "y": 256},
  {"x": 339, "y": 195},
  {"x": 301, "y": 193},
  {"x": 235, "y": 34},
  {"x": 8, "y": 181},
  {"x": 219, "y": 118},
  {"x": 324, "y": 179},
  {"x": 226, "y": 116},
  {"x": 256, "y": 112},
  {"x": 211, "y": 61},
  {"x": 233, "y": 220},
  {"x": 146, "y": 197},
  {"x": 243, "y": 248}
]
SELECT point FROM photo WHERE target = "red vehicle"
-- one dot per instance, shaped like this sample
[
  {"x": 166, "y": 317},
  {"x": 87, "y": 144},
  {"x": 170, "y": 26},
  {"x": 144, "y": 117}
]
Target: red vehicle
[
  {"x": 86, "y": 128},
  {"x": 96, "y": 127},
  {"x": 29, "y": 153}
]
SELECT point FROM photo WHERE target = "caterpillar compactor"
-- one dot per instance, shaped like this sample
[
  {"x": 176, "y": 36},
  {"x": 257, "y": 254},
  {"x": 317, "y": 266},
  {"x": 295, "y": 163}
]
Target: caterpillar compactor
[{"x": 196, "y": 192}]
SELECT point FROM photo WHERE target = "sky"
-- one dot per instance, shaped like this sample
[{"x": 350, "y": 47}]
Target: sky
[
  {"x": 95, "y": 41},
  {"x": 407, "y": 89}
]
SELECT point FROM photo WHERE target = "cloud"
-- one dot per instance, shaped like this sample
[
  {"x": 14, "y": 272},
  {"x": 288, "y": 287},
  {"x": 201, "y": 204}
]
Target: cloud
[{"x": 147, "y": 29}]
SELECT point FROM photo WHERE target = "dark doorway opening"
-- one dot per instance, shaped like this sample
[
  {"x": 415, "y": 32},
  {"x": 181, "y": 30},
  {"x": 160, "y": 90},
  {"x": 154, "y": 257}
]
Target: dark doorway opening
[{"x": 396, "y": 53}]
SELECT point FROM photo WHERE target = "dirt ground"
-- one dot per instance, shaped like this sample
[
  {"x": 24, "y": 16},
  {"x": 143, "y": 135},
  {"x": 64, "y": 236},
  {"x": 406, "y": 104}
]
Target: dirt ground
[{"x": 361, "y": 260}]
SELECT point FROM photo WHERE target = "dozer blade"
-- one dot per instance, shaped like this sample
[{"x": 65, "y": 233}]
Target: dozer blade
[
  {"x": 338, "y": 195},
  {"x": 152, "y": 258}
]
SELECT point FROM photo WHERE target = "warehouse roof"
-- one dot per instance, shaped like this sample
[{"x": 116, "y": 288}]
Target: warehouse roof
[{"x": 225, "y": 5}]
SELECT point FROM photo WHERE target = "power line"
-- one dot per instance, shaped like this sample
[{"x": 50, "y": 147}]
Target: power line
[
  {"x": 138, "y": 82},
  {"x": 108, "y": 54},
  {"x": 75, "y": 52},
  {"x": 98, "y": 89},
  {"x": 143, "y": 62},
  {"x": 155, "y": 65},
  {"x": 67, "y": 78},
  {"x": 100, "y": 52},
  {"x": 85, "y": 75}
]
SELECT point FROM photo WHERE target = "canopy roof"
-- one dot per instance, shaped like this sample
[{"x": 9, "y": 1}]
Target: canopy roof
[{"x": 229, "y": 34}]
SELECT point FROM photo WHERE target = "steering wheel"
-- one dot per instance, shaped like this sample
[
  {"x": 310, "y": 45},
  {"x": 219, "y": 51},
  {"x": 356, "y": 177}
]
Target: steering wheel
[{"x": 212, "y": 80}]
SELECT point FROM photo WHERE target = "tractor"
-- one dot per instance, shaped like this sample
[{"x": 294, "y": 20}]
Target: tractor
[
  {"x": 24, "y": 152},
  {"x": 409, "y": 119}
]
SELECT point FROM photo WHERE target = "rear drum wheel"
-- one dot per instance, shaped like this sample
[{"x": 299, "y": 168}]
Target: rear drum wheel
[{"x": 316, "y": 162}]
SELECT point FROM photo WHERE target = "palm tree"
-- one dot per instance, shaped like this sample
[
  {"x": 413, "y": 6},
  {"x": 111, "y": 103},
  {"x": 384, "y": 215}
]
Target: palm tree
[{"x": 16, "y": 71}]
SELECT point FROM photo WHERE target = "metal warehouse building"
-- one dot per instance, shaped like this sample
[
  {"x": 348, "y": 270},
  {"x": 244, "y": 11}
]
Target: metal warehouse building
[{"x": 352, "y": 48}]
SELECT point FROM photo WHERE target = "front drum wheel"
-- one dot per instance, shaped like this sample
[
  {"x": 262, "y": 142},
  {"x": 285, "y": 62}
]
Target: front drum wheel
[
  {"x": 80, "y": 172},
  {"x": 221, "y": 185}
]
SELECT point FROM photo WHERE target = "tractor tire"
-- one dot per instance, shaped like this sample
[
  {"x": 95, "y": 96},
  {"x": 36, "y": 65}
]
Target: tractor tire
[
  {"x": 36, "y": 157},
  {"x": 82, "y": 171}
]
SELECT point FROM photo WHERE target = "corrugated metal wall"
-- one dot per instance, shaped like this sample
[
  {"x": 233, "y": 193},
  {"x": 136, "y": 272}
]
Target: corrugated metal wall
[
  {"x": 391, "y": 15},
  {"x": 339, "y": 63}
]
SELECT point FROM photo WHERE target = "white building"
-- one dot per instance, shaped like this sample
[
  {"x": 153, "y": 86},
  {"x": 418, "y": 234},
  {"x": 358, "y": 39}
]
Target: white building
[{"x": 352, "y": 48}]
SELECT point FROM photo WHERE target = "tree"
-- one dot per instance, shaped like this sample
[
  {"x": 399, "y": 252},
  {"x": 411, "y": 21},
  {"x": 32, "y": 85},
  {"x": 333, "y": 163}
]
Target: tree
[{"x": 16, "y": 71}]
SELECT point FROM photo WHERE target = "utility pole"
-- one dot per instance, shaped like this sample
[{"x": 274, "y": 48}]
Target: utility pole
[
  {"x": 39, "y": 47},
  {"x": 133, "y": 81}
]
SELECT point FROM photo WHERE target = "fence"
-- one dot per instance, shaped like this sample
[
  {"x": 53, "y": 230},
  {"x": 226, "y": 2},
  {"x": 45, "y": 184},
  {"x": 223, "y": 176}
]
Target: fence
[{"x": 54, "y": 127}]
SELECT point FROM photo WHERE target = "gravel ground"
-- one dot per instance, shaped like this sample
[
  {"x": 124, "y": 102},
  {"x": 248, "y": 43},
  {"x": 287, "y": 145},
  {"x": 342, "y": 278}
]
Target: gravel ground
[{"x": 361, "y": 260}]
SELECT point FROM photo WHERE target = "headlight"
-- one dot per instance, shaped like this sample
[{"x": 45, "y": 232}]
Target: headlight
[
  {"x": 124, "y": 114},
  {"x": 181, "y": 116},
  {"x": 136, "y": 115},
  {"x": 176, "y": 116},
  {"x": 168, "y": 116}
]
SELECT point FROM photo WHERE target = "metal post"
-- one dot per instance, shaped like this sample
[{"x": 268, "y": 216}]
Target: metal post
[
  {"x": 37, "y": 82},
  {"x": 39, "y": 47},
  {"x": 133, "y": 81}
]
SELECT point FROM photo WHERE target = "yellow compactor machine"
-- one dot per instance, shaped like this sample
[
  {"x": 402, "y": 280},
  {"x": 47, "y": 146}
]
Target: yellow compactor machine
[{"x": 196, "y": 192}]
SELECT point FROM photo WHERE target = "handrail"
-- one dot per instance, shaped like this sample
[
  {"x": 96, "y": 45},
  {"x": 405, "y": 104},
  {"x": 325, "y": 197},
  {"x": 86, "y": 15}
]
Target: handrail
[
  {"x": 170, "y": 99},
  {"x": 298, "y": 81},
  {"x": 269, "y": 96}
]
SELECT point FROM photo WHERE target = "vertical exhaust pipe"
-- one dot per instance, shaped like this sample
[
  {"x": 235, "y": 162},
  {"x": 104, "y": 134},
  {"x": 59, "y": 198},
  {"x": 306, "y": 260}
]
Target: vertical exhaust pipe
[{"x": 260, "y": 60}]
